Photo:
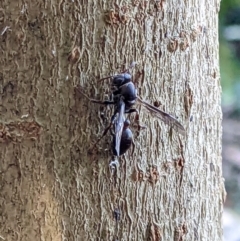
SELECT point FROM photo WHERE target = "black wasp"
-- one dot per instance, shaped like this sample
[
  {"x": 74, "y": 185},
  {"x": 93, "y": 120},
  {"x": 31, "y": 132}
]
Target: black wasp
[{"x": 124, "y": 97}]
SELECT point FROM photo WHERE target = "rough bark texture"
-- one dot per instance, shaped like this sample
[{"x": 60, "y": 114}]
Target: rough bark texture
[{"x": 171, "y": 186}]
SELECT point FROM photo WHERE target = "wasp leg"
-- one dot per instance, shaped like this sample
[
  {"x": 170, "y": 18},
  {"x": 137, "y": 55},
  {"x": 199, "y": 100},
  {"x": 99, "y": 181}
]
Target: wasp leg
[
  {"x": 106, "y": 102},
  {"x": 104, "y": 133},
  {"x": 136, "y": 120}
]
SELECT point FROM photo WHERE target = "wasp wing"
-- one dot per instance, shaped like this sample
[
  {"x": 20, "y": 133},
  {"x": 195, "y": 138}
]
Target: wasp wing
[
  {"x": 165, "y": 117},
  {"x": 118, "y": 126}
]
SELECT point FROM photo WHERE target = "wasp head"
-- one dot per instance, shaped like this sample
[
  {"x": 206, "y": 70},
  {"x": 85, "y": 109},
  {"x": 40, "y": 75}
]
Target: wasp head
[{"x": 121, "y": 79}]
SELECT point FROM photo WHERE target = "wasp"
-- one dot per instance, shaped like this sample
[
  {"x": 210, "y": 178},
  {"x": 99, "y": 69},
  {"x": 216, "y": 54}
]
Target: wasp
[{"x": 124, "y": 97}]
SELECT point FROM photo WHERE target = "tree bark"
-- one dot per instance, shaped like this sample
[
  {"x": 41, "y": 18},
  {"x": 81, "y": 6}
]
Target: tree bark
[{"x": 168, "y": 187}]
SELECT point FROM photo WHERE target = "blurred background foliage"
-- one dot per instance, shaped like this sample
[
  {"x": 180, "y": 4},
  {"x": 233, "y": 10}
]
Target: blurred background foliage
[
  {"x": 230, "y": 53},
  {"x": 229, "y": 50}
]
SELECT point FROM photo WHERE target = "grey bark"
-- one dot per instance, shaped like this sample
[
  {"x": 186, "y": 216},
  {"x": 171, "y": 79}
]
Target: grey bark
[{"x": 171, "y": 187}]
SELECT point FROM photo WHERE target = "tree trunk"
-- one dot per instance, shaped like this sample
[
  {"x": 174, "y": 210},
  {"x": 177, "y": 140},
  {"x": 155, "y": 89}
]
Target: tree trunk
[{"x": 168, "y": 186}]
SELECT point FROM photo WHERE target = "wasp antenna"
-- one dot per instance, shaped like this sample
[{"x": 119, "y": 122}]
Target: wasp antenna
[
  {"x": 108, "y": 77},
  {"x": 79, "y": 90},
  {"x": 132, "y": 65}
]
